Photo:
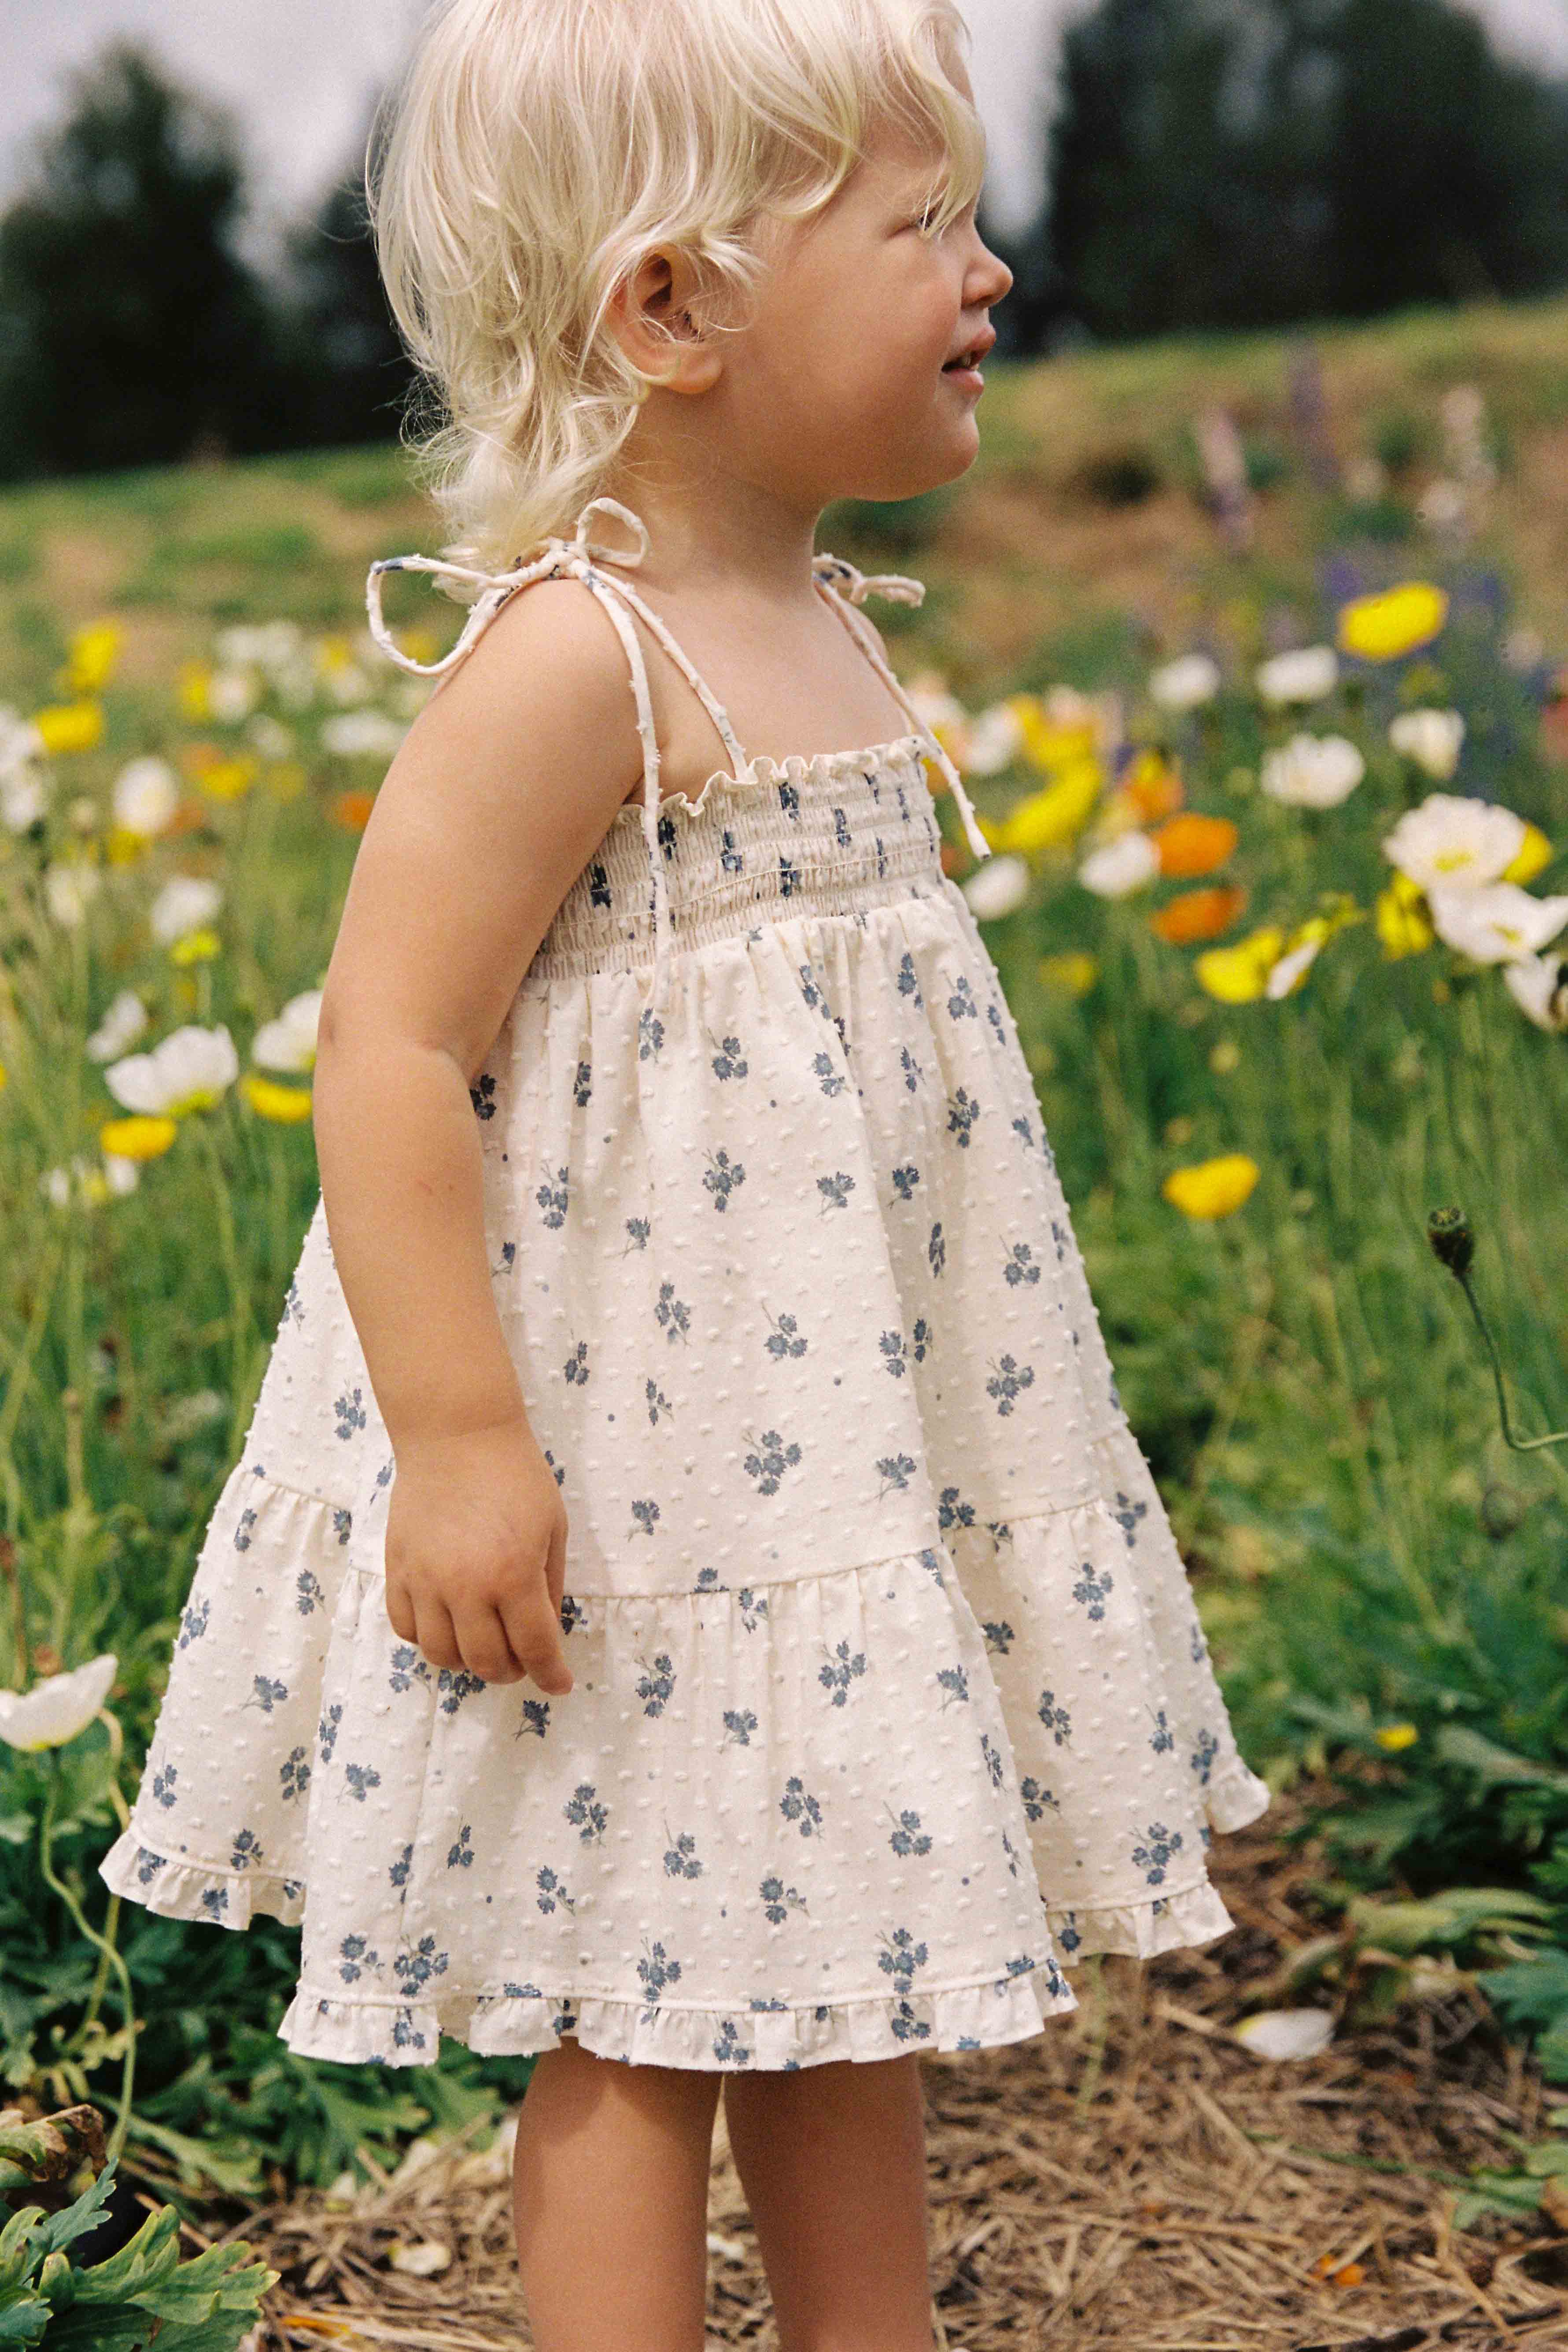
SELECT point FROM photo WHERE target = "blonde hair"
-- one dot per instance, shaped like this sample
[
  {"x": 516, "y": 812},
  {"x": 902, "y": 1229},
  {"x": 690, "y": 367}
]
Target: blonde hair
[{"x": 535, "y": 150}]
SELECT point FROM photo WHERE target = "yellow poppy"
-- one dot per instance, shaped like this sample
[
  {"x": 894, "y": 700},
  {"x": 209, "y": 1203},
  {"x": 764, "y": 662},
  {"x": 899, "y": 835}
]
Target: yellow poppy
[
  {"x": 419, "y": 644},
  {"x": 3, "y": 1075},
  {"x": 287, "y": 1105},
  {"x": 1051, "y": 818},
  {"x": 227, "y": 779},
  {"x": 1400, "y": 916},
  {"x": 333, "y": 654},
  {"x": 196, "y": 946},
  {"x": 1190, "y": 843},
  {"x": 1048, "y": 745},
  {"x": 90, "y": 661},
  {"x": 1212, "y": 1188},
  {"x": 1072, "y": 970},
  {"x": 70, "y": 725},
  {"x": 1197, "y": 915},
  {"x": 1534, "y": 852},
  {"x": 285, "y": 779},
  {"x": 125, "y": 847},
  {"x": 1237, "y": 974},
  {"x": 193, "y": 680},
  {"x": 1395, "y": 1736},
  {"x": 138, "y": 1138},
  {"x": 1382, "y": 627}
]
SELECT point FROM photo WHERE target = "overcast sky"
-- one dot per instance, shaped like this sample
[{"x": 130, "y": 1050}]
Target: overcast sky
[{"x": 302, "y": 74}]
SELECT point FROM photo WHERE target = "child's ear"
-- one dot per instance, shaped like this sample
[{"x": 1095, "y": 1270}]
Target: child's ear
[{"x": 651, "y": 317}]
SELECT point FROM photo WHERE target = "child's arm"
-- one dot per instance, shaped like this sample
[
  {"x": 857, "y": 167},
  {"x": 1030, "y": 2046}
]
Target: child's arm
[{"x": 501, "y": 791}]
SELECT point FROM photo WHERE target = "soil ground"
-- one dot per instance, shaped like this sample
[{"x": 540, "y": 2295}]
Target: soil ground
[{"x": 1134, "y": 2177}]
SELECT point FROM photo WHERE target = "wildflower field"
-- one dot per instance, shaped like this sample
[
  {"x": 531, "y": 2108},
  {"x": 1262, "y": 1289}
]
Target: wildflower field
[{"x": 1256, "y": 660}]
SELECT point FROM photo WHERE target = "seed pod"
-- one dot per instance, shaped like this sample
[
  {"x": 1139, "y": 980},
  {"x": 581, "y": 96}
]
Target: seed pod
[{"x": 1448, "y": 1230}]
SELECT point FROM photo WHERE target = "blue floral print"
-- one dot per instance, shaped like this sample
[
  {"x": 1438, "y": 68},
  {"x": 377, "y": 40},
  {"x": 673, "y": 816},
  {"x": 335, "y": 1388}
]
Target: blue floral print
[{"x": 889, "y": 1694}]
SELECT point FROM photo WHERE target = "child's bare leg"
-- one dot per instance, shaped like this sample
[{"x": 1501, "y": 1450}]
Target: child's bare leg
[
  {"x": 832, "y": 2158},
  {"x": 610, "y": 2196}
]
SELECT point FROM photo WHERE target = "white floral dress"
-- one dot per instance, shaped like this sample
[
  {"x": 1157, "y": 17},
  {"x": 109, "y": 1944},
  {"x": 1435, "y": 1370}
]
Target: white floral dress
[{"x": 889, "y": 1695}]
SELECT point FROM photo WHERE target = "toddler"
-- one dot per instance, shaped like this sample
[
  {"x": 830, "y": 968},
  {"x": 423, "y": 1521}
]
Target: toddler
[{"x": 690, "y": 1604}]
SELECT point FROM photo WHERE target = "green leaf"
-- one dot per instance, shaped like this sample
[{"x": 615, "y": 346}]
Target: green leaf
[
  {"x": 1531, "y": 1992},
  {"x": 1459, "y": 1912},
  {"x": 232, "y": 2164},
  {"x": 59, "y": 2229},
  {"x": 1494, "y": 1766},
  {"x": 23, "y": 2319}
]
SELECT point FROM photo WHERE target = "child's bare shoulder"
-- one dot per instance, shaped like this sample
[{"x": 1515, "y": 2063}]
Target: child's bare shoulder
[
  {"x": 502, "y": 789},
  {"x": 544, "y": 695}
]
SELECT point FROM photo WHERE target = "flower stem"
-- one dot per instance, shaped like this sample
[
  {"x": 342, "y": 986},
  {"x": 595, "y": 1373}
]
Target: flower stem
[
  {"x": 46, "y": 1835},
  {"x": 1520, "y": 1444}
]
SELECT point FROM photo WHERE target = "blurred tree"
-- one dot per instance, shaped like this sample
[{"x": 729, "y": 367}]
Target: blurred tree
[
  {"x": 356, "y": 373},
  {"x": 131, "y": 332},
  {"x": 1230, "y": 163}
]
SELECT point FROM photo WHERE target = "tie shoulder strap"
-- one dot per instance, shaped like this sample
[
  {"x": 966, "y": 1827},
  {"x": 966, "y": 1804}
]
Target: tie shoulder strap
[
  {"x": 577, "y": 558},
  {"x": 576, "y": 554},
  {"x": 836, "y": 571},
  {"x": 833, "y": 572}
]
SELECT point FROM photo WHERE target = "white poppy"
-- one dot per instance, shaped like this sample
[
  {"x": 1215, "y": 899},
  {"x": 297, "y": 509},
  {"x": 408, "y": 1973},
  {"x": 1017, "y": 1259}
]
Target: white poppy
[
  {"x": 146, "y": 794},
  {"x": 1287, "y": 2032},
  {"x": 349, "y": 686},
  {"x": 1312, "y": 771},
  {"x": 184, "y": 905},
  {"x": 1183, "y": 684},
  {"x": 361, "y": 734},
  {"x": 268, "y": 645},
  {"x": 1450, "y": 839},
  {"x": 67, "y": 889},
  {"x": 20, "y": 741},
  {"x": 992, "y": 740},
  {"x": 24, "y": 797},
  {"x": 182, "y": 1415},
  {"x": 189, "y": 1071},
  {"x": 121, "y": 1027},
  {"x": 1121, "y": 866},
  {"x": 1539, "y": 986},
  {"x": 1304, "y": 676},
  {"x": 294, "y": 681},
  {"x": 1441, "y": 504},
  {"x": 270, "y": 737},
  {"x": 1431, "y": 738},
  {"x": 1494, "y": 922},
  {"x": 233, "y": 695},
  {"x": 934, "y": 705},
  {"x": 1283, "y": 975},
  {"x": 55, "y": 1711},
  {"x": 288, "y": 1043},
  {"x": 999, "y": 887},
  {"x": 90, "y": 1181}
]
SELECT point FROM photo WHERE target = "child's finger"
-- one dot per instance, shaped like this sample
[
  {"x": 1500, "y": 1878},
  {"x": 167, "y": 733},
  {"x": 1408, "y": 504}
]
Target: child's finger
[
  {"x": 437, "y": 1636},
  {"x": 555, "y": 1565},
  {"x": 533, "y": 1629},
  {"x": 482, "y": 1638}
]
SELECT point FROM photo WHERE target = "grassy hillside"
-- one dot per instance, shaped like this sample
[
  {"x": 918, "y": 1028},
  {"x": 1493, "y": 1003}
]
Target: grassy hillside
[{"x": 1033, "y": 569}]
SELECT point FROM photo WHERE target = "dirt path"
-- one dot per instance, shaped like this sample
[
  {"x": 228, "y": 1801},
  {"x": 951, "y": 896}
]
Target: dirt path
[{"x": 1132, "y": 2178}]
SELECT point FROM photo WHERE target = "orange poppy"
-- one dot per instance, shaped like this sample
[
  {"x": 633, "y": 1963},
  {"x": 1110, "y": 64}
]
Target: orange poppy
[
  {"x": 1190, "y": 843},
  {"x": 351, "y": 810},
  {"x": 1198, "y": 915},
  {"x": 1152, "y": 787}
]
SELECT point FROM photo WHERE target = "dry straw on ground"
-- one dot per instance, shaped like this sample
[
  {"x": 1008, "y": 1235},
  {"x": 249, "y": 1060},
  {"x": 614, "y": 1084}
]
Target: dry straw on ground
[{"x": 1134, "y": 2177}]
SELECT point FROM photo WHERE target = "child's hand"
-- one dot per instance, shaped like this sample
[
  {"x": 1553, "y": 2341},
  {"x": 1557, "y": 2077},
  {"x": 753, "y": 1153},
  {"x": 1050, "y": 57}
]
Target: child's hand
[{"x": 476, "y": 1555}]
